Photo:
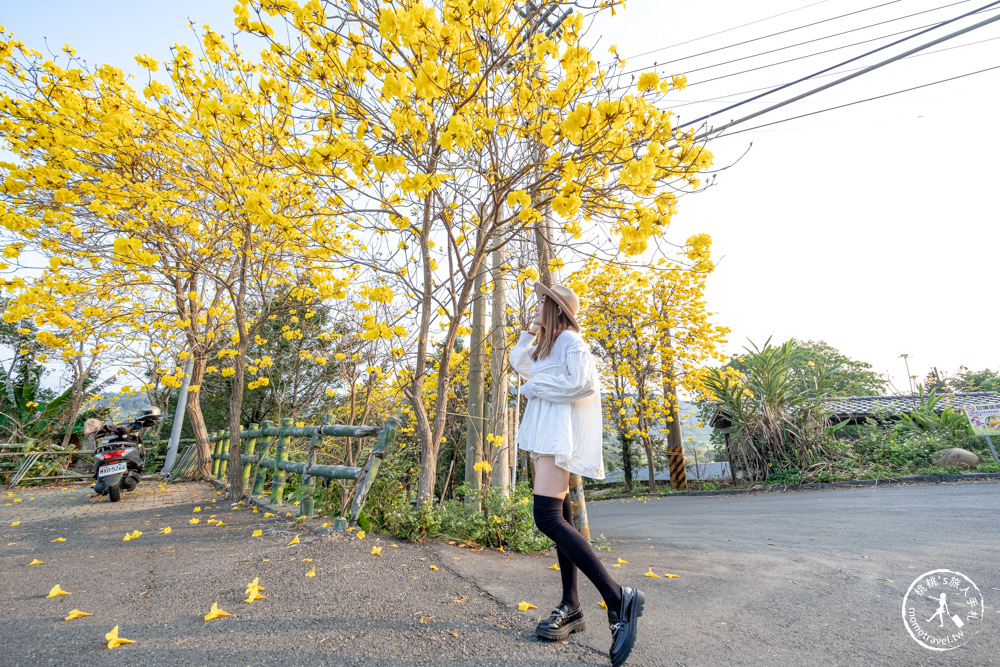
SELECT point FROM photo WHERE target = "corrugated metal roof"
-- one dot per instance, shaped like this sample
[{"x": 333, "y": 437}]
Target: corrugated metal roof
[
  {"x": 857, "y": 408},
  {"x": 871, "y": 405}
]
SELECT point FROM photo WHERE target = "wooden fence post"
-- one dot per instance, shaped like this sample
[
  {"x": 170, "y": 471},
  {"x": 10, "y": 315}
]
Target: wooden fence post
[
  {"x": 251, "y": 448},
  {"x": 265, "y": 444},
  {"x": 278, "y": 477}
]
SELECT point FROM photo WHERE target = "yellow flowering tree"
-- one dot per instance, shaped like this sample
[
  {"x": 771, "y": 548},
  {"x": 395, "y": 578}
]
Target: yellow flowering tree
[
  {"x": 445, "y": 129},
  {"x": 180, "y": 193},
  {"x": 652, "y": 335}
]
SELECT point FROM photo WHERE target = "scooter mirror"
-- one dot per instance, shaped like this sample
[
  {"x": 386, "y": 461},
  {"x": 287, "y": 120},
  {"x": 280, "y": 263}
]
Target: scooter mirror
[{"x": 92, "y": 426}]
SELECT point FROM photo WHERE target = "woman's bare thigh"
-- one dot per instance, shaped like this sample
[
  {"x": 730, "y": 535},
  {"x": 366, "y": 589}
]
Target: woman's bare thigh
[{"x": 550, "y": 479}]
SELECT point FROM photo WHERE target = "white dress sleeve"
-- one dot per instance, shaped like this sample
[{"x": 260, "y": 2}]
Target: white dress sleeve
[
  {"x": 576, "y": 380},
  {"x": 520, "y": 355}
]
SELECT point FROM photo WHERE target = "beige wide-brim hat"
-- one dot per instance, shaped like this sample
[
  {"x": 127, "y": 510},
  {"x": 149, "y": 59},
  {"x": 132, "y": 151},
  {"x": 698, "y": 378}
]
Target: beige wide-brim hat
[{"x": 564, "y": 297}]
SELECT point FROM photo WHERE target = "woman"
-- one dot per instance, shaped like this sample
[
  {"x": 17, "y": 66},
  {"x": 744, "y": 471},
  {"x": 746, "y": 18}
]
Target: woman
[{"x": 562, "y": 428}]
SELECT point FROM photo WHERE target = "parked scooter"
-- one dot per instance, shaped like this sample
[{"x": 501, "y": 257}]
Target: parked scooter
[{"x": 119, "y": 462}]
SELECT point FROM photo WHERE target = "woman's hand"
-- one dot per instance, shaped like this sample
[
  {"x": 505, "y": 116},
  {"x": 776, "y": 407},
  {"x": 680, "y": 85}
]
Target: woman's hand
[{"x": 536, "y": 320}]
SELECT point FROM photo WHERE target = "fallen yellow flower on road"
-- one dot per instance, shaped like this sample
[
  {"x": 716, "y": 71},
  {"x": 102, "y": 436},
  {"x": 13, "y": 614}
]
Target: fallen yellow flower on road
[
  {"x": 670, "y": 576},
  {"x": 525, "y": 606},
  {"x": 433, "y": 567},
  {"x": 604, "y": 604},
  {"x": 361, "y": 534},
  {"x": 622, "y": 562},
  {"x": 211, "y": 521},
  {"x": 59, "y": 539},
  {"x": 165, "y": 531},
  {"x": 219, "y": 523},
  {"x": 193, "y": 521},
  {"x": 196, "y": 509},
  {"x": 114, "y": 640},
  {"x": 16, "y": 523},
  {"x": 295, "y": 540},
  {"x": 312, "y": 572},
  {"x": 326, "y": 524},
  {"x": 56, "y": 592},
  {"x": 133, "y": 535},
  {"x": 254, "y": 595},
  {"x": 376, "y": 551},
  {"x": 76, "y": 613},
  {"x": 257, "y": 533},
  {"x": 554, "y": 566},
  {"x": 652, "y": 574},
  {"x": 253, "y": 590},
  {"x": 267, "y": 514},
  {"x": 254, "y": 585},
  {"x": 35, "y": 561},
  {"x": 306, "y": 560},
  {"x": 215, "y": 612}
]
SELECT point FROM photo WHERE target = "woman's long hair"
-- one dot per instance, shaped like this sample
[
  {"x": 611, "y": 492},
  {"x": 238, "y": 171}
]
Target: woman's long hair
[{"x": 554, "y": 322}]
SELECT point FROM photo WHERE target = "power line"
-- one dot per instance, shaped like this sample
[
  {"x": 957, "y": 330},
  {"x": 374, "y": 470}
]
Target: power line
[
  {"x": 807, "y": 25},
  {"x": 791, "y": 60},
  {"x": 871, "y": 25},
  {"x": 768, "y": 18},
  {"x": 842, "y": 79},
  {"x": 836, "y": 34},
  {"x": 868, "y": 69},
  {"x": 754, "y": 90},
  {"x": 869, "y": 99}
]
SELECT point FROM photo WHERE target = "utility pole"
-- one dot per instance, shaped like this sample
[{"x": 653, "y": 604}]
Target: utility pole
[{"x": 175, "y": 430}]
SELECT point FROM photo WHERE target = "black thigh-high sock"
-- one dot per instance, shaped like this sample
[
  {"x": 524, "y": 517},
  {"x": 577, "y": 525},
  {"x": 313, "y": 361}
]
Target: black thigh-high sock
[
  {"x": 549, "y": 519},
  {"x": 567, "y": 571}
]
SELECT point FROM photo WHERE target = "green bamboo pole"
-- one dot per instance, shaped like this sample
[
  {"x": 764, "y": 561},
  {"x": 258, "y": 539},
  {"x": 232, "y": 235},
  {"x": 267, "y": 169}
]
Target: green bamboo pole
[
  {"x": 265, "y": 444},
  {"x": 278, "y": 478},
  {"x": 216, "y": 453},
  {"x": 310, "y": 480},
  {"x": 251, "y": 447},
  {"x": 224, "y": 448}
]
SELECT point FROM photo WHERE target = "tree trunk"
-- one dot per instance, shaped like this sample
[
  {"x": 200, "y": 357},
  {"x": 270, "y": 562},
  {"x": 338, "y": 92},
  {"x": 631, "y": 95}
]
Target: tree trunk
[
  {"x": 474, "y": 405},
  {"x": 235, "y": 445},
  {"x": 675, "y": 443},
  {"x": 498, "y": 379},
  {"x": 197, "y": 418}
]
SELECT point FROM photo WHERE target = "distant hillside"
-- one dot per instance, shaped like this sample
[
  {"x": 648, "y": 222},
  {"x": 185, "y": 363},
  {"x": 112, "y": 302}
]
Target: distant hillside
[
  {"x": 698, "y": 447},
  {"x": 122, "y": 407}
]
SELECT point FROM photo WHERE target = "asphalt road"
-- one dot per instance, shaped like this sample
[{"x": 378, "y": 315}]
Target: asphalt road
[{"x": 813, "y": 577}]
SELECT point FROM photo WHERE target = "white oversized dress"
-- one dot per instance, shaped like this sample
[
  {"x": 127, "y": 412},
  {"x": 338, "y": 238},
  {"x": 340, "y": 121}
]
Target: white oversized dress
[{"x": 563, "y": 416}]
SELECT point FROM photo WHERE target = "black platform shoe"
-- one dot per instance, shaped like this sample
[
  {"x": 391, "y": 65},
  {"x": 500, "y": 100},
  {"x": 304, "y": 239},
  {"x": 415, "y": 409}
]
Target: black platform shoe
[
  {"x": 562, "y": 623},
  {"x": 623, "y": 625}
]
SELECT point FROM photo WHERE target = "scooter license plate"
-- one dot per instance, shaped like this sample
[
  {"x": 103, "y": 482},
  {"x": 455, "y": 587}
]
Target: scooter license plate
[{"x": 112, "y": 469}]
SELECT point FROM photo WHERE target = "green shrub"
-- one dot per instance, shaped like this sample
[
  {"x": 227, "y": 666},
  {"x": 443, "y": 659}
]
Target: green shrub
[
  {"x": 788, "y": 477},
  {"x": 503, "y": 522},
  {"x": 988, "y": 467}
]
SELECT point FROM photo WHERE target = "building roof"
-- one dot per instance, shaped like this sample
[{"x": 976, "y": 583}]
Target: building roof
[
  {"x": 856, "y": 409},
  {"x": 853, "y": 406}
]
